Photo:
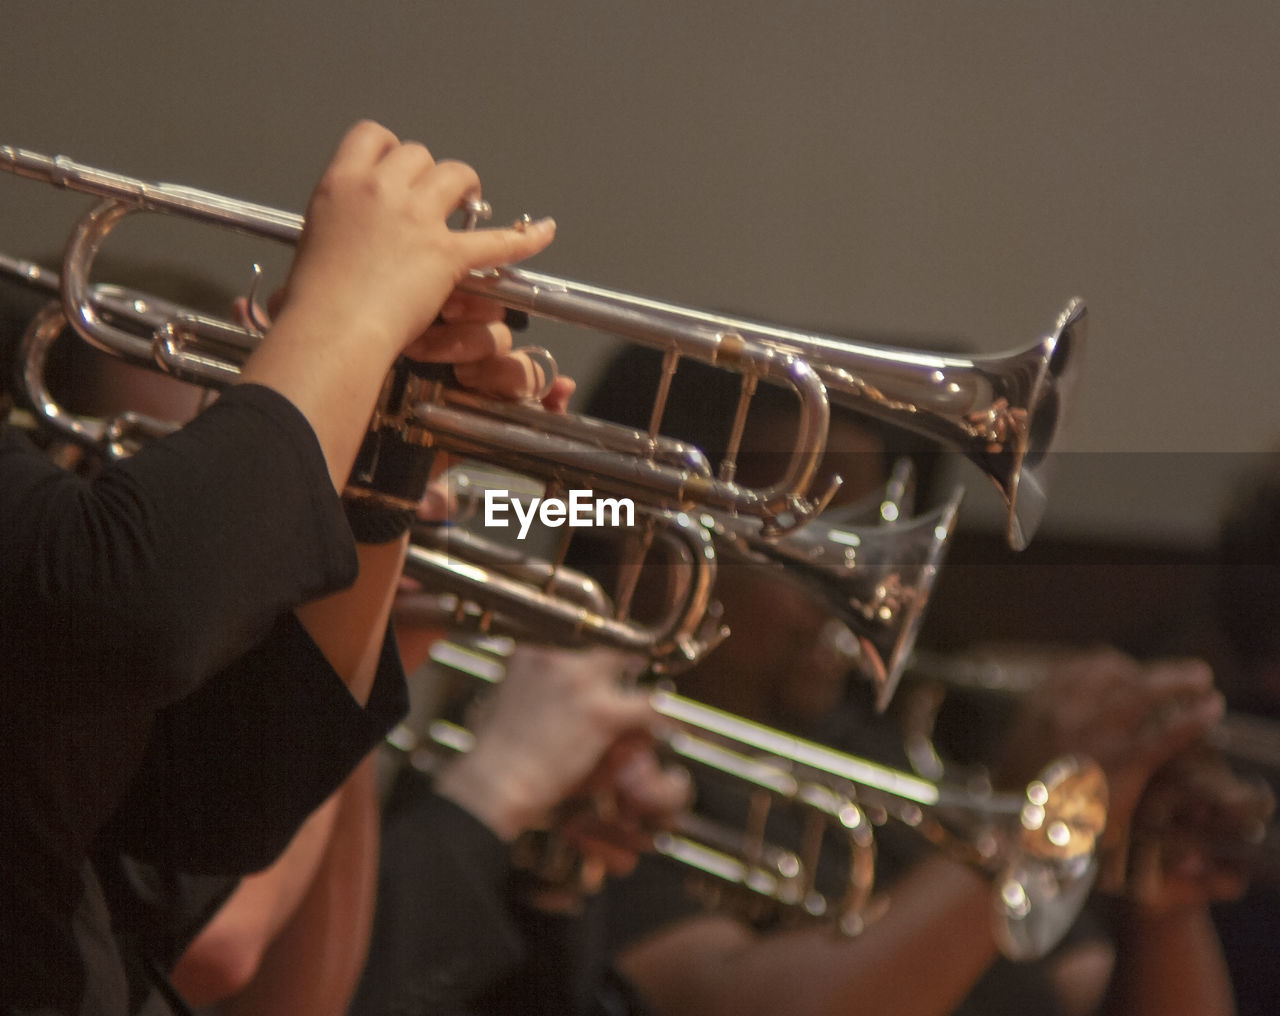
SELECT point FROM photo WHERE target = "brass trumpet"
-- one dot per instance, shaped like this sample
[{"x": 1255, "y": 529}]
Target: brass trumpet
[
  {"x": 1003, "y": 412},
  {"x": 1037, "y": 845}
]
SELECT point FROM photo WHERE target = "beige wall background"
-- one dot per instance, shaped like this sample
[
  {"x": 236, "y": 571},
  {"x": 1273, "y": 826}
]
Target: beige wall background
[{"x": 941, "y": 170}]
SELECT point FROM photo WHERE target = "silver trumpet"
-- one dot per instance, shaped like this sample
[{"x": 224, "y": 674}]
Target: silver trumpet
[
  {"x": 1037, "y": 845},
  {"x": 1003, "y": 412}
]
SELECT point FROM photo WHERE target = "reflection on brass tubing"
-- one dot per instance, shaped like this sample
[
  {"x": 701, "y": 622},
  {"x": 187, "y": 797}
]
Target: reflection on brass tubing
[{"x": 507, "y": 592}]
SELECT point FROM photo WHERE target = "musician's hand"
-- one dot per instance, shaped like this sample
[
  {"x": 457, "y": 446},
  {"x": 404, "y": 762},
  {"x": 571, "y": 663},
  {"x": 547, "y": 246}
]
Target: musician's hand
[
  {"x": 376, "y": 262},
  {"x": 1194, "y": 832},
  {"x": 471, "y": 333},
  {"x": 1131, "y": 718},
  {"x": 542, "y": 733},
  {"x": 378, "y": 257},
  {"x": 632, "y": 796}
]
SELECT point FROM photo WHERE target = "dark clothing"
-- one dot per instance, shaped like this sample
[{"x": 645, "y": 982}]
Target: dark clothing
[
  {"x": 169, "y": 565},
  {"x": 155, "y": 915},
  {"x": 1249, "y": 928},
  {"x": 450, "y": 937},
  {"x": 259, "y": 776},
  {"x": 144, "y": 616},
  {"x": 232, "y": 770}
]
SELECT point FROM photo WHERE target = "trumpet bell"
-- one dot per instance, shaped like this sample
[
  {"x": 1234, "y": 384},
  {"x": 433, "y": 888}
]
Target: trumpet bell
[
  {"x": 1054, "y": 863},
  {"x": 1021, "y": 471},
  {"x": 876, "y": 578},
  {"x": 1004, "y": 412}
]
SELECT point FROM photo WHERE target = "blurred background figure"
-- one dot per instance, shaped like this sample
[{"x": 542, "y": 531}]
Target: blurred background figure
[
  {"x": 782, "y": 666},
  {"x": 1247, "y": 593},
  {"x": 462, "y": 926}
]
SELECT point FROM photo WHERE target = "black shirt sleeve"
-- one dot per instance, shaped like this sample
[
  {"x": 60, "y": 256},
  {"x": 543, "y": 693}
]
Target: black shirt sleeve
[
  {"x": 451, "y": 937},
  {"x": 165, "y": 585},
  {"x": 232, "y": 770},
  {"x": 129, "y": 590},
  {"x": 442, "y": 934}
]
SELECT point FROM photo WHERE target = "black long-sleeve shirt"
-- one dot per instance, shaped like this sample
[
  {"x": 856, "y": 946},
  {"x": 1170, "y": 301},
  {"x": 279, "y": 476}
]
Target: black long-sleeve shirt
[
  {"x": 140, "y": 614},
  {"x": 451, "y": 937}
]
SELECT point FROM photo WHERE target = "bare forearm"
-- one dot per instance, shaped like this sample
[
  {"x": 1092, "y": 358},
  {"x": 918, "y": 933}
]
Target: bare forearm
[
  {"x": 315, "y": 962},
  {"x": 226, "y": 954},
  {"x": 939, "y": 916},
  {"x": 349, "y": 627},
  {"x": 1170, "y": 965}
]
